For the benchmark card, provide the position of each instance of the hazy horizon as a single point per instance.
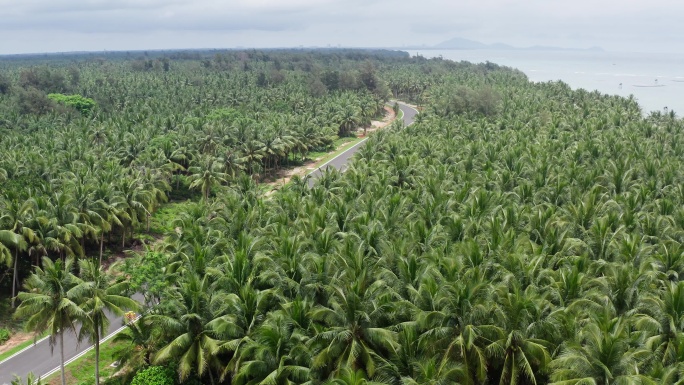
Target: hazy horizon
(31, 26)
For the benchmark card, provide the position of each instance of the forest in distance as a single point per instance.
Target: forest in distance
(517, 233)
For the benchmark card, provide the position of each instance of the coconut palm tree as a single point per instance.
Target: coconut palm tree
(134, 203)
(274, 354)
(348, 117)
(663, 316)
(603, 353)
(47, 305)
(16, 217)
(352, 338)
(98, 294)
(143, 341)
(525, 359)
(457, 327)
(206, 175)
(196, 328)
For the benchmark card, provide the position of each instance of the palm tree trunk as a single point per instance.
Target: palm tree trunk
(123, 238)
(101, 246)
(97, 356)
(61, 348)
(14, 276)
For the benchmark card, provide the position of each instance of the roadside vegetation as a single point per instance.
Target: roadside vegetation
(517, 233)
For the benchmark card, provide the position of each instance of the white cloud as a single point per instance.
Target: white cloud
(62, 25)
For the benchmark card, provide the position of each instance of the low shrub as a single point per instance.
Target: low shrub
(154, 375)
(82, 104)
(4, 335)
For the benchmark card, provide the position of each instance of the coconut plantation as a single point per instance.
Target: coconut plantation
(516, 232)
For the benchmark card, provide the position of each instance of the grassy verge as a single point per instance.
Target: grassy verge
(82, 371)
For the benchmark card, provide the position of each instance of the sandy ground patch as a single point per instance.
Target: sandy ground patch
(16, 339)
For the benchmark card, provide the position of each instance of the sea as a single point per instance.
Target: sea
(655, 79)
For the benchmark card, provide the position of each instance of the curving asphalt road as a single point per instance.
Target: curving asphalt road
(42, 360)
(340, 162)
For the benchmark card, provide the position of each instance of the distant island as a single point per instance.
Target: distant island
(460, 43)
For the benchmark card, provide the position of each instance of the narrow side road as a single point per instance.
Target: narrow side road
(340, 162)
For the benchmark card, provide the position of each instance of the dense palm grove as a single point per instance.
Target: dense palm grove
(72, 182)
(517, 233)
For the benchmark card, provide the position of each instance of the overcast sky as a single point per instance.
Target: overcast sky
(94, 25)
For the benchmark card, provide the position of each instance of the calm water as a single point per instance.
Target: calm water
(603, 71)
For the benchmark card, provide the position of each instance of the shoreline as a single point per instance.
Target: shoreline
(604, 73)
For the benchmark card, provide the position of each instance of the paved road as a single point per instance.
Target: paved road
(340, 161)
(40, 359)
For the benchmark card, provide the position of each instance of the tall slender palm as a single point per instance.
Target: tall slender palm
(206, 175)
(109, 207)
(16, 216)
(54, 223)
(135, 203)
(47, 305)
(98, 294)
(87, 218)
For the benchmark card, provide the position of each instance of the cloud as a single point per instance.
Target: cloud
(97, 16)
(33, 25)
